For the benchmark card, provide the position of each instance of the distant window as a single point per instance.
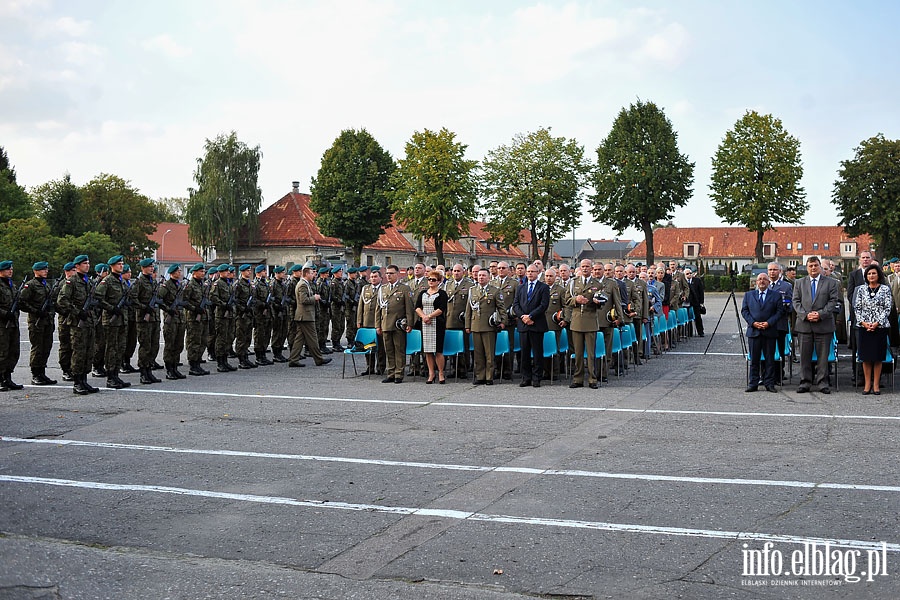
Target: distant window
(789, 246)
(388, 261)
(691, 250)
(826, 245)
(799, 245)
(769, 250)
(815, 245)
(370, 260)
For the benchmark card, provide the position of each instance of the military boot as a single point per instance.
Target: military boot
(224, 365)
(113, 381)
(262, 361)
(66, 376)
(80, 386)
(99, 371)
(278, 357)
(244, 362)
(197, 370)
(39, 377)
(127, 368)
(171, 372)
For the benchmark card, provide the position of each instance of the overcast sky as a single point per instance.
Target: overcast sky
(134, 89)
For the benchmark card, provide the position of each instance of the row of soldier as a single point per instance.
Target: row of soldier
(222, 310)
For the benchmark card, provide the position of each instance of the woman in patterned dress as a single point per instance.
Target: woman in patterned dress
(872, 303)
(431, 306)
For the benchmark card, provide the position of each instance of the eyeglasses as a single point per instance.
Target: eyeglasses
(432, 279)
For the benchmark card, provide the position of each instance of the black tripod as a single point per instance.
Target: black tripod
(732, 299)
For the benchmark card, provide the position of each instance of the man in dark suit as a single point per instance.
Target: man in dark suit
(532, 300)
(786, 292)
(762, 311)
(814, 300)
(696, 298)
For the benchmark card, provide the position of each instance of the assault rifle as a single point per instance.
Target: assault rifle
(13, 315)
(204, 303)
(48, 305)
(153, 304)
(89, 304)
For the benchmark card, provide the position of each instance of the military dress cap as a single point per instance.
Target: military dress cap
(278, 269)
(352, 270)
(147, 262)
(40, 265)
(296, 268)
(80, 259)
(259, 269)
(126, 268)
(244, 267)
(118, 258)
(173, 268)
(101, 267)
(68, 266)
(323, 270)
(363, 269)
(6, 264)
(337, 269)
(198, 267)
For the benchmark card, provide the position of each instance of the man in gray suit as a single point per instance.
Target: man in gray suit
(814, 300)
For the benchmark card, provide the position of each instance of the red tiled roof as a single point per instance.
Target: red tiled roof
(738, 242)
(291, 222)
(177, 248)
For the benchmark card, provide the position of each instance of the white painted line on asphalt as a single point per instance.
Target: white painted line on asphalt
(460, 515)
(452, 467)
(658, 411)
(704, 353)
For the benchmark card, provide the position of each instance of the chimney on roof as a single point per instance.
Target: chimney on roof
(296, 185)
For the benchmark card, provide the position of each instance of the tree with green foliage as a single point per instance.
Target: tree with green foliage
(227, 198)
(349, 192)
(535, 183)
(122, 212)
(25, 242)
(641, 177)
(756, 177)
(59, 203)
(435, 188)
(866, 193)
(98, 246)
(14, 200)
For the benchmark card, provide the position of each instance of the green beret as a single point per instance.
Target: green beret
(323, 270)
(375, 268)
(296, 268)
(147, 262)
(895, 259)
(173, 268)
(118, 258)
(363, 269)
(80, 259)
(244, 267)
(68, 266)
(198, 267)
(40, 266)
(6, 264)
(126, 268)
(229, 268)
(278, 269)
(101, 267)
(352, 270)
(259, 269)
(337, 269)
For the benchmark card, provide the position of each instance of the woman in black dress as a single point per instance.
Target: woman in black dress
(872, 303)
(431, 306)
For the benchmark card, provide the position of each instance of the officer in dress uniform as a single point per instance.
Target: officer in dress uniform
(641, 304)
(394, 305)
(557, 319)
(308, 302)
(280, 313)
(196, 302)
(485, 314)
(507, 284)
(366, 317)
(457, 288)
(63, 329)
(37, 299)
(112, 299)
(171, 296)
(608, 315)
(263, 298)
(296, 274)
(243, 317)
(584, 324)
(77, 302)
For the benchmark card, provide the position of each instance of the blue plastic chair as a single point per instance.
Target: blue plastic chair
(563, 348)
(453, 346)
(888, 360)
(550, 350)
(413, 343)
(617, 349)
(832, 360)
(762, 357)
(501, 348)
(365, 336)
(599, 355)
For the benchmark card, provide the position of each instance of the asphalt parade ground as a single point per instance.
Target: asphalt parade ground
(669, 482)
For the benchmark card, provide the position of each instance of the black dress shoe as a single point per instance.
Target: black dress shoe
(604, 380)
(478, 382)
(576, 385)
(525, 383)
(489, 382)
(771, 388)
(803, 389)
(594, 386)
(536, 384)
(296, 364)
(387, 380)
(398, 380)
(324, 362)
(825, 390)
(752, 388)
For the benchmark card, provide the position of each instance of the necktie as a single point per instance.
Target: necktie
(530, 289)
(762, 297)
(812, 284)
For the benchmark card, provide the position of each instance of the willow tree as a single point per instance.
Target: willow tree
(227, 198)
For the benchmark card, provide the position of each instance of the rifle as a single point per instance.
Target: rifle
(13, 315)
(229, 306)
(89, 303)
(153, 304)
(177, 303)
(47, 306)
(204, 303)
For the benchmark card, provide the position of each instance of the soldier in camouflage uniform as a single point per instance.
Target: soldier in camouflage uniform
(262, 315)
(338, 306)
(130, 326)
(171, 296)
(243, 318)
(101, 270)
(352, 288)
(222, 296)
(296, 273)
(145, 298)
(213, 276)
(280, 314)
(9, 327)
(76, 301)
(323, 310)
(37, 299)
(63, 329)
(196, 300)
(112, 298)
